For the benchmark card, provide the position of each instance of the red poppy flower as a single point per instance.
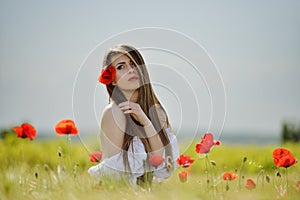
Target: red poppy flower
(107, 75)
(206, 143)
(184, 161)
(229, 176)
(95, 156)
(250, 185)
(25, 131)
(283, 158)
(183, 176)
(65, 127)
(156, 160)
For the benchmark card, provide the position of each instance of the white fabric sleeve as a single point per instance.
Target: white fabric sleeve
(113, 166)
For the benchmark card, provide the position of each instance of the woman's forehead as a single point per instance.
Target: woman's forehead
(118, 58)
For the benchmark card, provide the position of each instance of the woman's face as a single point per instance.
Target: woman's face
(127, 78)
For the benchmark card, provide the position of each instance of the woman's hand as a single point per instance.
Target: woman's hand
(136, 111)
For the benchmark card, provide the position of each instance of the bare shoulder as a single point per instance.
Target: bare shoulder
(112, 130)
(113, 117)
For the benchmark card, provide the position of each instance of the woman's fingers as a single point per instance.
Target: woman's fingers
(128, 112)
(125, 103)
(135, 110)
(126, 108)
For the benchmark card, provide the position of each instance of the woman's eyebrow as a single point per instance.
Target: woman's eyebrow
(121, 63)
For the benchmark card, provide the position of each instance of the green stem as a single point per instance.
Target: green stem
(206, 171)
(286, 178)
(240, 172)
(147, 175)
(263, 179)
(70, 149)
(23, 157)
(227, 185)
(273, 179)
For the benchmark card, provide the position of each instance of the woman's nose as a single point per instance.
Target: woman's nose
(130, 68)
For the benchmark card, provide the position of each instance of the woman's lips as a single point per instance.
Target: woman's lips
(134, 78)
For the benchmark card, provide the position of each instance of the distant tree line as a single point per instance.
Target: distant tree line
(5, 132)
(290, 132)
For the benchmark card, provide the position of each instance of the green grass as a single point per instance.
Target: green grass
(29, 170)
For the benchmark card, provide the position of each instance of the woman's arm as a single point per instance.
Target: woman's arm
(112, 130)
(152, 134)
(154, 139)
(136, 111)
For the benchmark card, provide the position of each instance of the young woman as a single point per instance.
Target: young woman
(134, 125)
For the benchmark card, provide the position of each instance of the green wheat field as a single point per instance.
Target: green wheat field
(57, 169)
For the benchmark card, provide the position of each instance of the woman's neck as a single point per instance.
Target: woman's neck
(131, 95)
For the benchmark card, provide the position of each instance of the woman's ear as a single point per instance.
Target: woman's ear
(114, 83)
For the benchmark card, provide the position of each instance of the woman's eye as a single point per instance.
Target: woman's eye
(120, 67)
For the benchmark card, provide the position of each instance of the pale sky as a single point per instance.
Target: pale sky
(255, 45)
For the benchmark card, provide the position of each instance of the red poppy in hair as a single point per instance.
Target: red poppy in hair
(107, 75)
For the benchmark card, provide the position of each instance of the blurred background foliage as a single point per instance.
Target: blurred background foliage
(290, 132)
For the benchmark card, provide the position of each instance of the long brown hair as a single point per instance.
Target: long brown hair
(147, 100)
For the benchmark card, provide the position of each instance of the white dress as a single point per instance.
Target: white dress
(114, 165)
